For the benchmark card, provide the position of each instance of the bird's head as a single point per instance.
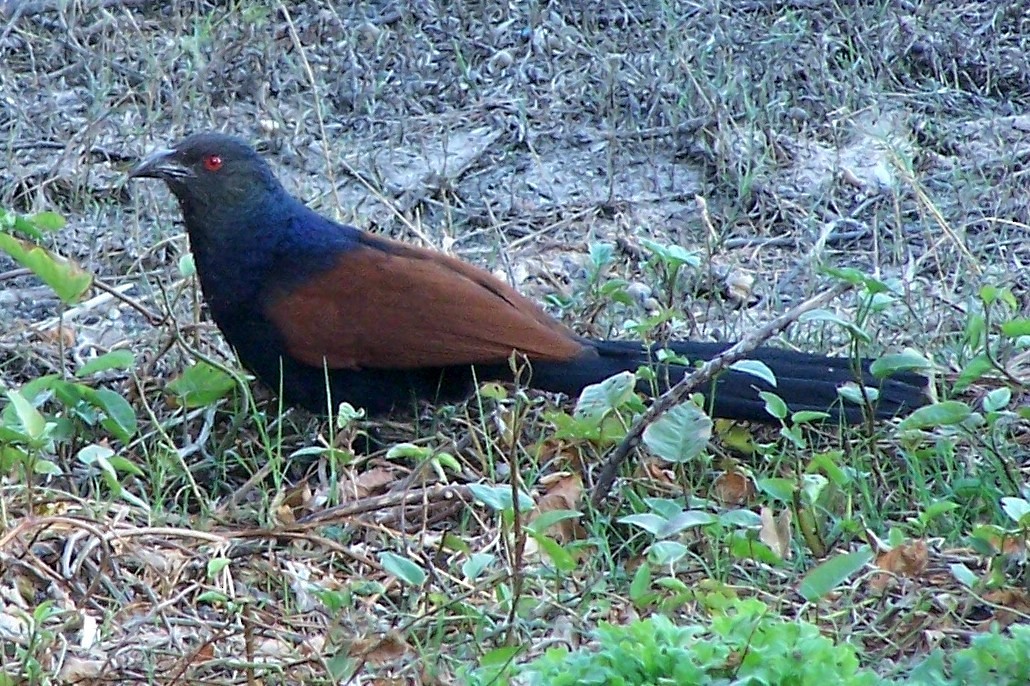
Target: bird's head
(210, 174)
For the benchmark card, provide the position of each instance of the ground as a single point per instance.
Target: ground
(772, 139)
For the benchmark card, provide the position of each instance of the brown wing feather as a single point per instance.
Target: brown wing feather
(391, 305)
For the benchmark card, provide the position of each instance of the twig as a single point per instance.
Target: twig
(380, 502)
(704, 374)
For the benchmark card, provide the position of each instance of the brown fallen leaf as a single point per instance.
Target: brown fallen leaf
(564, 491)
(908, 560)
(775, 532)
(733, 487)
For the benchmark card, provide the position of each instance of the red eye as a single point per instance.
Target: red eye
(212, 163)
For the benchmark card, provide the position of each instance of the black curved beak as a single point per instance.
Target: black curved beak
(160, 164)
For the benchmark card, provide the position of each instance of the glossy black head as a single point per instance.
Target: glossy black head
(210, 173)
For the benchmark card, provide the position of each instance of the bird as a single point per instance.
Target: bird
(324, 313)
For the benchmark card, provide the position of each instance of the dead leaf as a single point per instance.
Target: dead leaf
(1012, 605)
(564, 491)
(380, 651)
(655, 469)
(908, 560)
(733, 487)
(76, 669)
(366, 483)
(775, 532)
(65, 335)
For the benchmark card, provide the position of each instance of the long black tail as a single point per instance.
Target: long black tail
(804, 381)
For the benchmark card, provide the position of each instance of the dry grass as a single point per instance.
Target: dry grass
(886, 136)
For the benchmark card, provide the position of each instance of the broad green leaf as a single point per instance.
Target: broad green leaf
(774, 405)
(499, 657)
(402, 568)
(746, 547)
(641, 584)
(997, 399)
(597, 400)
(69, 281)
(1014, 328)
(651, 523)
(666, 552)
(947, 413)
(826, 576)
(48, 221)
(679, 435)
(964, 575)
(548, 519)
(777, 487)
(187, 267)
(215, 566)
(474, 566)
(562, 560)
(1017, 509)
(898, 362)
(757, 369)
(830, 317)
(116, 359)
(974, 370)
(121, 418)
(201, 385)
(33, 423)
(499, 497)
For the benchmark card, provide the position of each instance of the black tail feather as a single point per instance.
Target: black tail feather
(804, 381)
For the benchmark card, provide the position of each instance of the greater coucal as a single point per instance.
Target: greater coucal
(311, 305)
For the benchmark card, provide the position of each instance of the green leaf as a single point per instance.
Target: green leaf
(778, 488)
(32, 422)
(94, 453)
(1017, 509)
(666, 552)
(746, 547)
(774, 405)
(679, 435)
(974, 370)
(1014, 328)
(187, 267)
(650, 523)
(964, 575)
(997, 400)
(808, 416)
(563, 561)
(215, 566)
(402, 568)
(640, 587)
(548, 519)
(121, 418)
(947, 413)
(69, 281)
(116, 359)
(404, 451)
(826, 576)
(48, 221)
(597, 400)
(898, 362)
(499, 497)
(473, 567)
(757, 369)
(499, 657)
(212, 598)
(201, 385)
(830, 317)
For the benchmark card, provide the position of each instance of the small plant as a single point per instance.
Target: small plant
(744, 644)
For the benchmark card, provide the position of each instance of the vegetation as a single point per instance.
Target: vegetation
(163, 520)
